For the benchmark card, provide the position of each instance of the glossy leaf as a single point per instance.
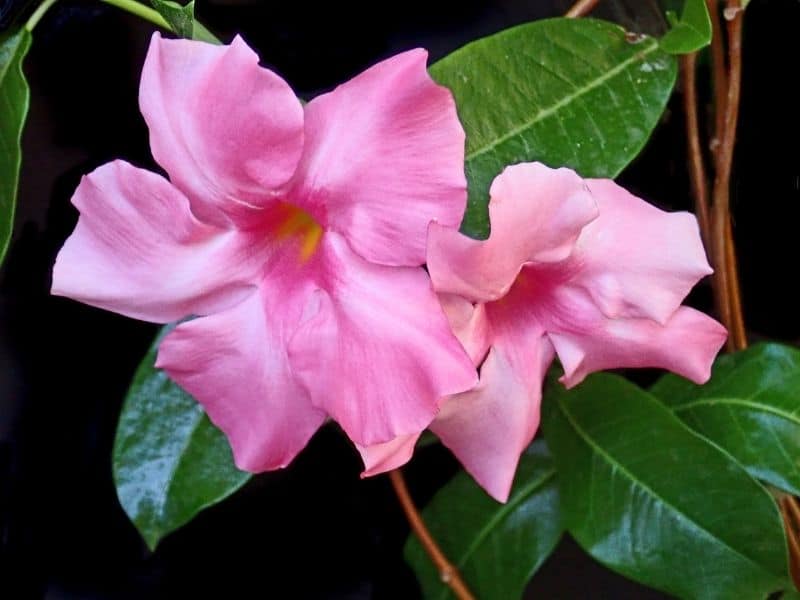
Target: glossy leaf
(690, 31)
(567, 92)
(496, 547)
(652, 500)
(169, 461)
(181, 19)
(750, 407)
(14, 99)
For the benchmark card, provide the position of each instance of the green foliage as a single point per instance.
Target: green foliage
(652, 500)
(691, 31)
(14, 98)
(566, 92)
(169, 461)
(496, 547)
(181, 19)
(750, 407)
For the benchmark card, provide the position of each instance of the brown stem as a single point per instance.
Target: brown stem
(722, 240)
(448, 573)
(738, 332)
(581, 8)
(697, 169)
(720, 74)
(726, 133)
(791, 523)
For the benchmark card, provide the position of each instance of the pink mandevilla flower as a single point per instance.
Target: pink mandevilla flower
(579, 269)
(296, 234)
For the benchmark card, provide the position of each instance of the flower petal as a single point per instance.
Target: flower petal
(536, 213)
(226, 130)
(235, 364)
(377, 353)
(384, 157)
(469, 324)
(636, 260)
(380, 458)
(138, 250)
(687, 344)
(489, 427)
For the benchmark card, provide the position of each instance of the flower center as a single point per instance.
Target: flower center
(297, 223)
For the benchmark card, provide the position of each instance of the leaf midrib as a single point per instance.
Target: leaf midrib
(19, 48)
(622, 469)
(789, 416)
(505, 510)
(201, 419)
(14, 55)
(544, 113)
(156, 531)
(167, 486)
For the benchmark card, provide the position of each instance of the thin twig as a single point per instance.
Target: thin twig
(722, 241)
(142, 11)
(697, 169)
(732, 264)
(38, 14)
(726, 133)
(448, 573)
(719, 72)
(722, 297)
(791, 523)
(581, 8)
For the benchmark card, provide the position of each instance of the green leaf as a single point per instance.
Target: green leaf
(14, 99)
(181, 19)
(496, 547)
(566, 92)
(750, 407)
(169, 461)
(428, 438)
(691, 31)
(652, 500)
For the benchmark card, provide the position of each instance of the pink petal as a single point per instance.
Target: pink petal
(384, 157)
(536, 216)
(138, 250)
(376, 352)
(636, 260)
(226, 130)
(489, 427)
(235, 364)
(380, 458)
(687, 344)
(469, 324)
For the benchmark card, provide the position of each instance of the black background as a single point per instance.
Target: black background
(314, 530)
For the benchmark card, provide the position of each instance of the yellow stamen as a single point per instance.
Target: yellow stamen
(310, 241)
(299, 223)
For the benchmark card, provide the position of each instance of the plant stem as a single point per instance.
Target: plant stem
(727, 112)
(697, 169)
(723, 248)
(141, 11)
(38, 14)
(791, 523)
(448, 573)
(719, 73)
(732, 264)
(581, 8)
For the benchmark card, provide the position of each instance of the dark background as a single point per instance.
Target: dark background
(314, 530)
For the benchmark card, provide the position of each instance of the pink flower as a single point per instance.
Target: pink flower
(296, 233)
(579, 269)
